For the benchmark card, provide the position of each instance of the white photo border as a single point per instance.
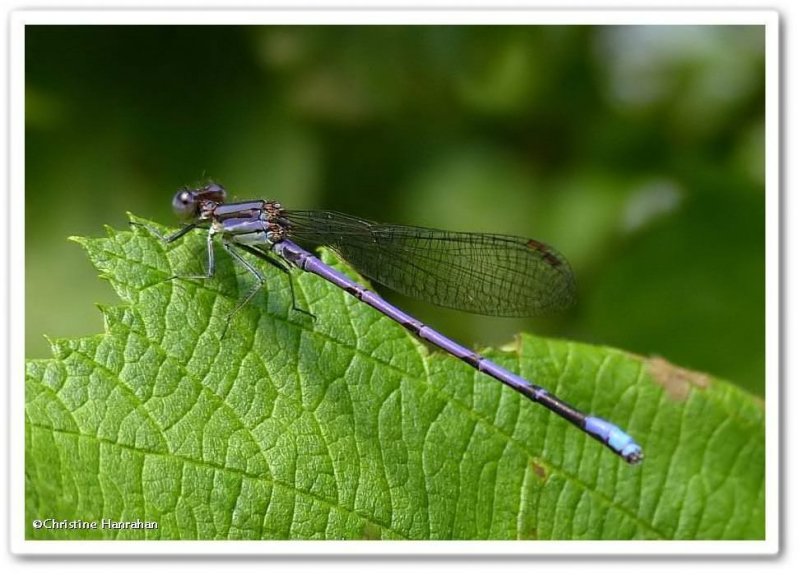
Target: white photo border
(20, 19)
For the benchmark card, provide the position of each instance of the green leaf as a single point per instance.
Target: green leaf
(345, 426)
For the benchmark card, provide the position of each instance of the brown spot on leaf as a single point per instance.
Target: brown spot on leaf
(371, 532)
(529, 535)
(539, 470)
(676, 380)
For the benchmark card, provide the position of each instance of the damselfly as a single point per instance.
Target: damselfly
(490, 274)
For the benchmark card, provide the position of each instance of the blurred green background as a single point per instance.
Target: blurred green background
(638, 151)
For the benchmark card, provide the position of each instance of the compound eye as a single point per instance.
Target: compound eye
(184, 204)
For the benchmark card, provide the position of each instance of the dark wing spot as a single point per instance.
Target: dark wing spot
(547, 254)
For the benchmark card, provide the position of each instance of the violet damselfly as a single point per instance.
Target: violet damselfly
(490, 274)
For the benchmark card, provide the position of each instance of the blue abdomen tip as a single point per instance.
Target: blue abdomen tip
(619, 441)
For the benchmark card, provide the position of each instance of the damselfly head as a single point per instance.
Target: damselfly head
(188, 203)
